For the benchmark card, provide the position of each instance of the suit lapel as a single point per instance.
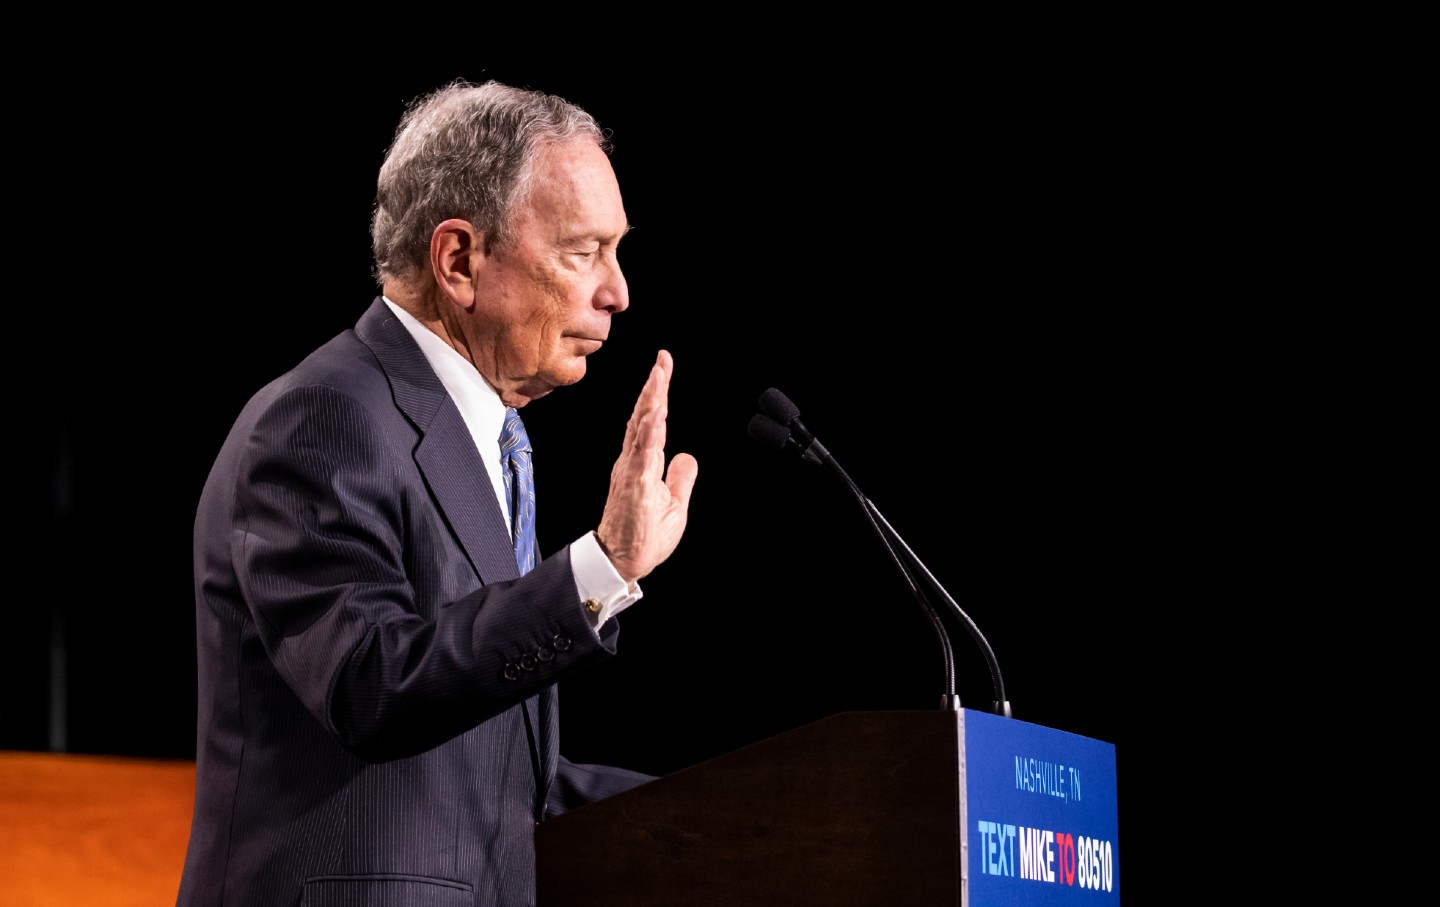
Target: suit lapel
(446, 454)
(447, 458)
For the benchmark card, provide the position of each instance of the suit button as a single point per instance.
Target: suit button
(512, 672)
(545, 654)
(528, 662)
(562, 643)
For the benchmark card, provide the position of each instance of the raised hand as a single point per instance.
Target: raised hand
(648, 505)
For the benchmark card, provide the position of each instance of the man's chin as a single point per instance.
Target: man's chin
(572, 371)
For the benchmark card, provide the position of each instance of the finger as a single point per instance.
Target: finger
(653, 396)
(654, 393)
(658, 383)
(648, 440)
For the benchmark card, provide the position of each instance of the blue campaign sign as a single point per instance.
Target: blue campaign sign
(1041, 819)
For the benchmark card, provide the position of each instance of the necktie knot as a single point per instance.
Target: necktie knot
(512, 435)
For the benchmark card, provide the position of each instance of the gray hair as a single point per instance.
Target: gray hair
(467, 151)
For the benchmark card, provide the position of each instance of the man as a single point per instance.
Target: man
(377, 718)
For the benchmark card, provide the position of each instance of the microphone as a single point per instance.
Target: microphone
(773, 434)
(778, 407)
(779, 426)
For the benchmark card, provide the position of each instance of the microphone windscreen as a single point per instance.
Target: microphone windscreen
(778, 407)
(768, 431)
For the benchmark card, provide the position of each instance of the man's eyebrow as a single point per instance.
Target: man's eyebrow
(599, 236)
(623, 233)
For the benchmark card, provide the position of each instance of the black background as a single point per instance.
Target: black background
(982, 288)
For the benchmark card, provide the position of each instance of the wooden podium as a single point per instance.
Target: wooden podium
(868, 809)
(860, 808)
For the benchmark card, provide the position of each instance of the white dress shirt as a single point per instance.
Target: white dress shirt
(480, 406)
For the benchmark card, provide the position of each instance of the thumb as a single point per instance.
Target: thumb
(680, 477)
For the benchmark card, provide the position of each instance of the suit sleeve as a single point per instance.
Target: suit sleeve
(364, 600)
(578, 783)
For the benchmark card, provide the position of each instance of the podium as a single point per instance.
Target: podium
(870, 809)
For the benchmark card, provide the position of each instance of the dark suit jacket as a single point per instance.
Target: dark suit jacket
(377, 709)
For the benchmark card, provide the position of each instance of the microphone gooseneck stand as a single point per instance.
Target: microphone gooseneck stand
(1000, 705)
(950, 701)
(780, 426)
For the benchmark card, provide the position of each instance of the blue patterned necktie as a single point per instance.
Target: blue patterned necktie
(519, 488)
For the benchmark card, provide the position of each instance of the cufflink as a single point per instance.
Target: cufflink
(592, 605)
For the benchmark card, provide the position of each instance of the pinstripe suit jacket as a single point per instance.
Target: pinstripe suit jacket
(377, 709)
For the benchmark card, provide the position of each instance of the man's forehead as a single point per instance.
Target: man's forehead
(574, 194)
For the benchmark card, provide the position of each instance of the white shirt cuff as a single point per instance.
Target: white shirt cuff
(603, 592)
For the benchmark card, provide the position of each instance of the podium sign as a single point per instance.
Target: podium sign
(1040, 815)
(861, 809)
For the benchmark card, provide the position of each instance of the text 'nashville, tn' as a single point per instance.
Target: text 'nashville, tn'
(1037, 776)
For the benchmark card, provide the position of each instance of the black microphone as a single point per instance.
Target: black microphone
(778, 407)
(780, 427)
(772, 434)
(776, 435)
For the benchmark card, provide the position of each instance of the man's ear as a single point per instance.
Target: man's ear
(457, 252)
